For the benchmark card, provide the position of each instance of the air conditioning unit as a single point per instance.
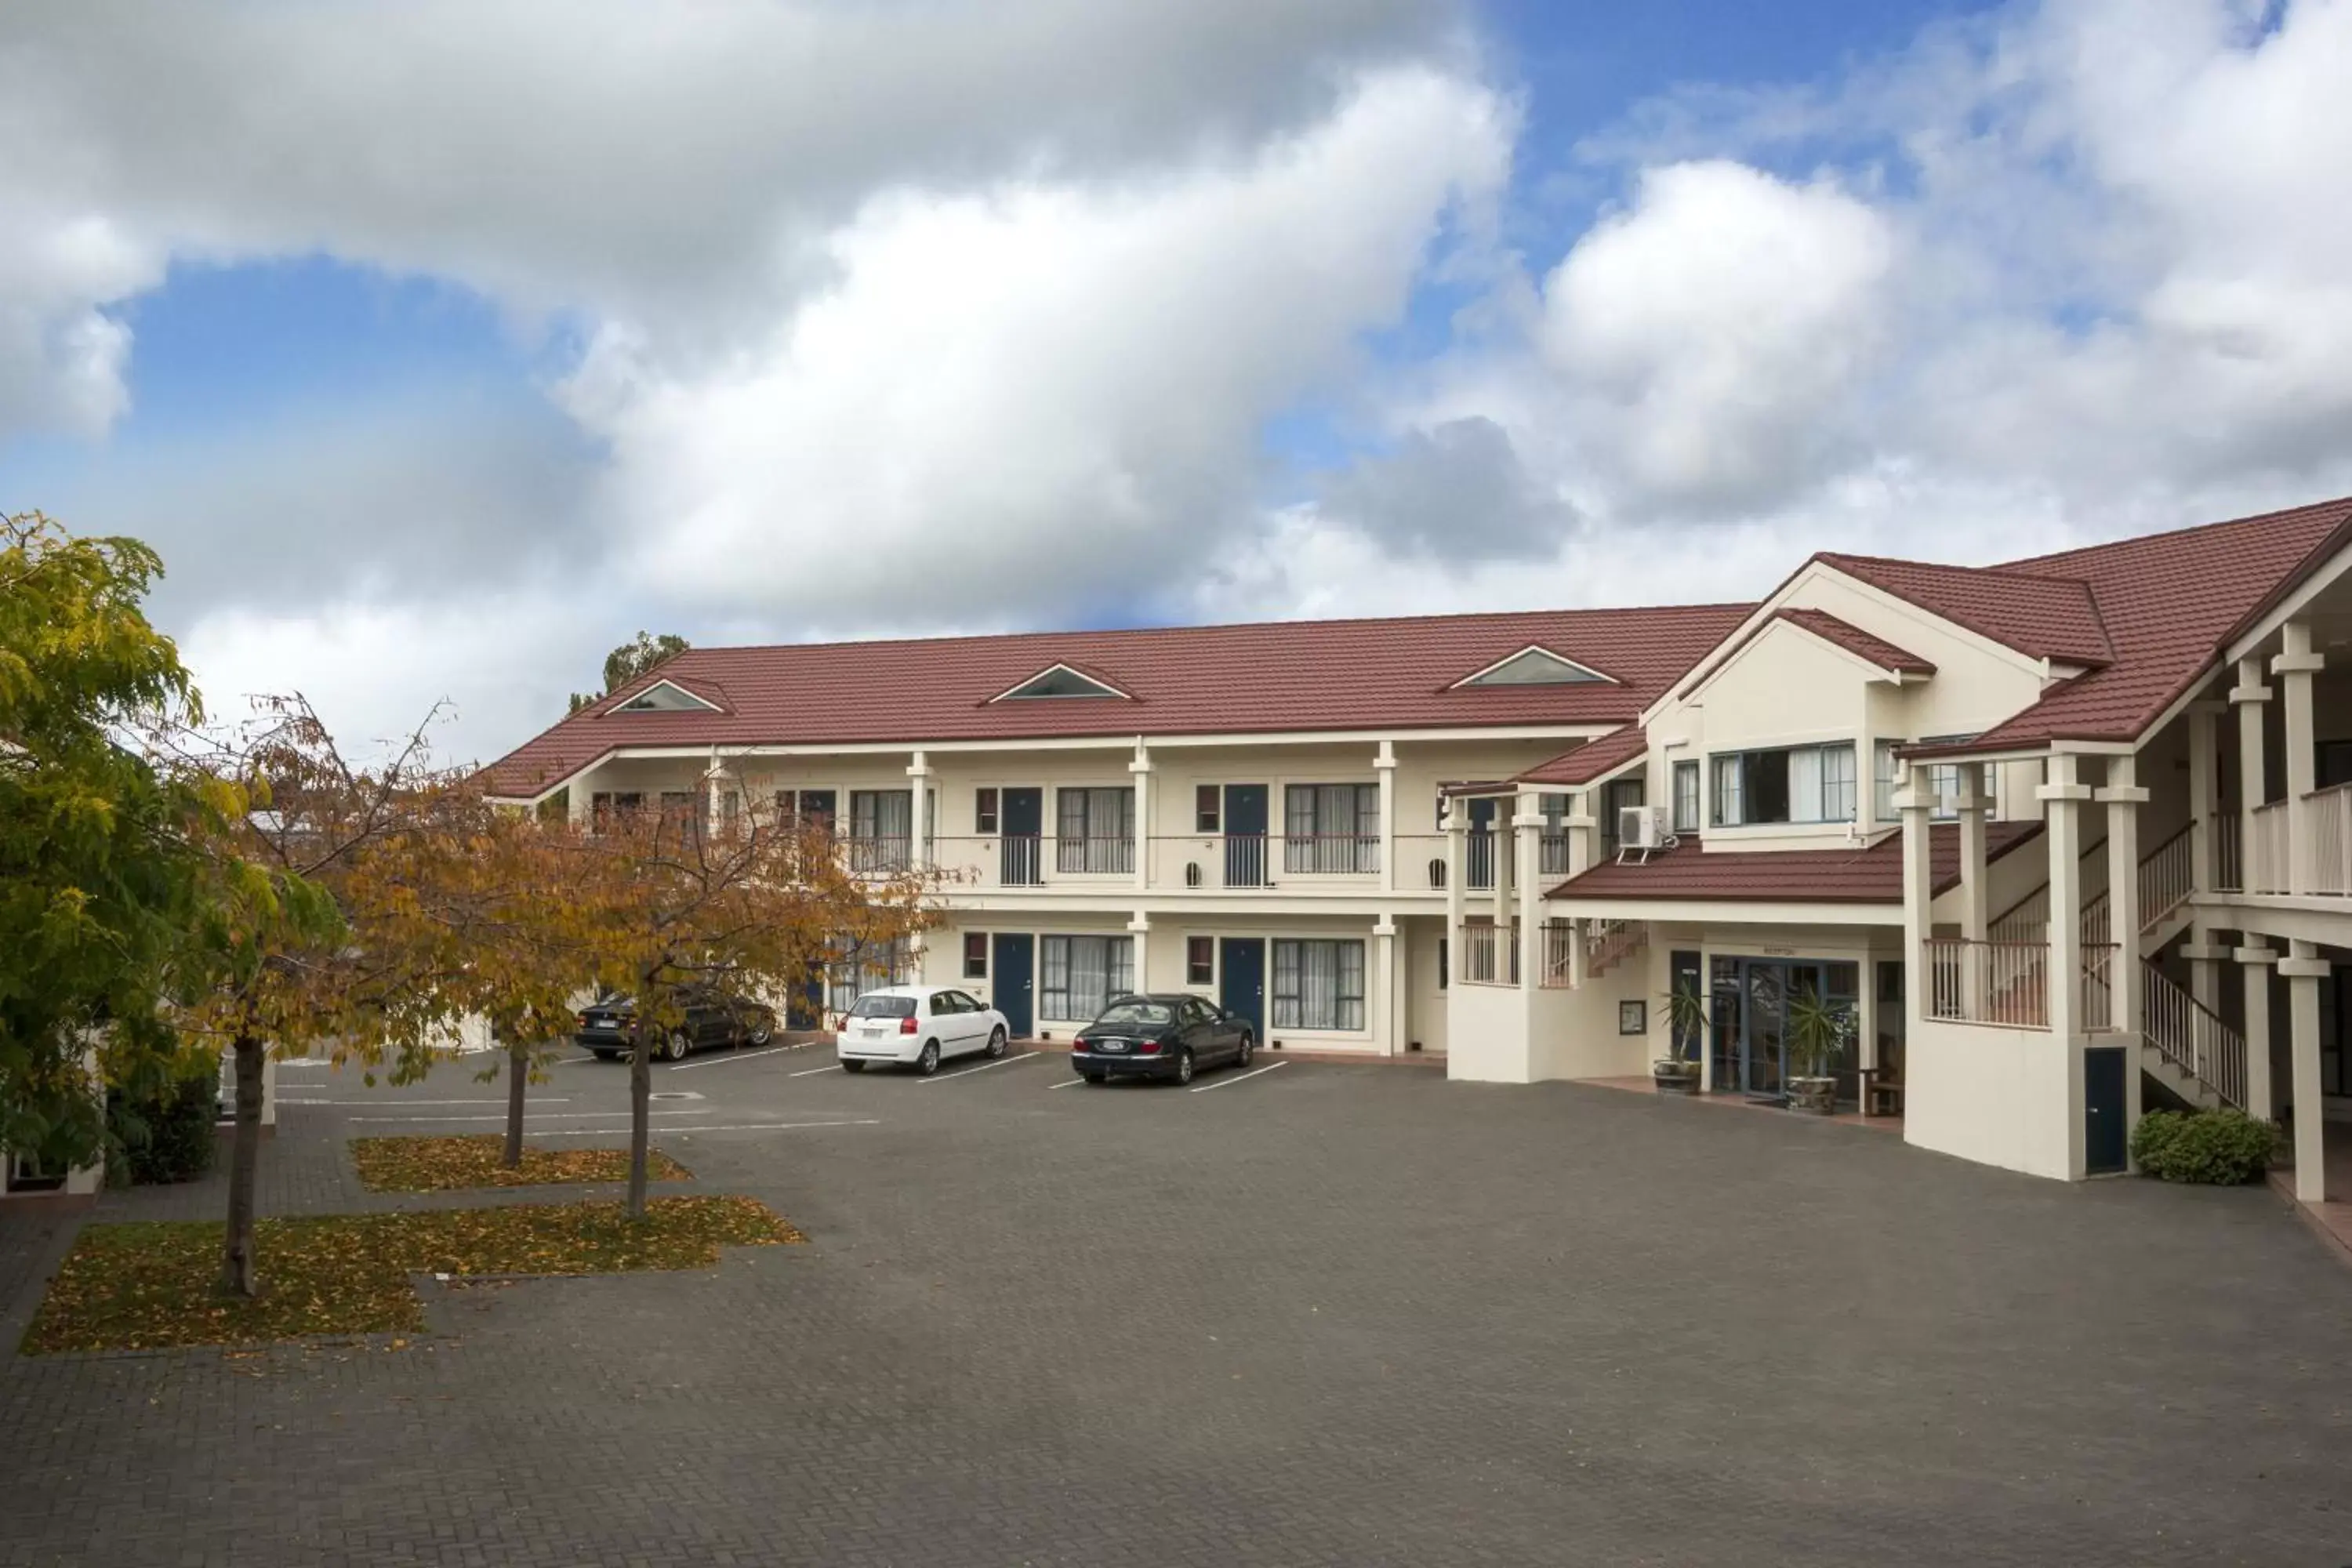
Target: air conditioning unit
(1642, 831)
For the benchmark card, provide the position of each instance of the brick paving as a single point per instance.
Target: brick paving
(1332, 1315)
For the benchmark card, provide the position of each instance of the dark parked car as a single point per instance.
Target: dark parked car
(1160, 1036)
(713, 1018)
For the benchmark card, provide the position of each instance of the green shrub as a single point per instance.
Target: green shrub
(2217, 1148)
(163, 1135)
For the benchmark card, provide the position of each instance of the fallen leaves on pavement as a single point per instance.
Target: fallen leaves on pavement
(445, 1164)
(152, 1284)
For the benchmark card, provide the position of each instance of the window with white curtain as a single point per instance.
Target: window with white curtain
(1079, 975)
(1318, 984)
(1685, 797)
(1095, 831)
(1331, 828)
(1786, 784)
(881, 828)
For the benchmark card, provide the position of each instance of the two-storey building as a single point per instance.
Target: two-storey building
(2067, 836)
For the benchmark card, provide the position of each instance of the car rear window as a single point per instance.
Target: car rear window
(884, 1008)
(1136, 1012)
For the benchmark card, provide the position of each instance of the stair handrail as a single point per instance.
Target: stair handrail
(2193, 1037)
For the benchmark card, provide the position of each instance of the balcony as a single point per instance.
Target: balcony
(2286, 857)
(2007, 984)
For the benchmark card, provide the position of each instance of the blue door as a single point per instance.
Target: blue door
(1012, 989)
(1245, 836)
(1240, 984)
(2103, 1135)
(1025, 823)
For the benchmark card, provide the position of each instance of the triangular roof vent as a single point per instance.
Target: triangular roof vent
(1059, 681)
(665, 696)
(1533, 665)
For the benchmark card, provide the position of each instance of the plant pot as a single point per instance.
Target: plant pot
(1674, 1077)
(1813, 1095)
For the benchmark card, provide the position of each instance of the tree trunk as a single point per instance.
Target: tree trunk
(245, 1164)
(518, 1072)
(641, 1087)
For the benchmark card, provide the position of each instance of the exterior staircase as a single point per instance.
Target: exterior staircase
(1608, 944)
(2185, 1047)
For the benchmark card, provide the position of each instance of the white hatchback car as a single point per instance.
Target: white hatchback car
(918, 1027)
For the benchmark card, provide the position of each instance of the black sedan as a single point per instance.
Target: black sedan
(713, 1018)
(1167, 1036)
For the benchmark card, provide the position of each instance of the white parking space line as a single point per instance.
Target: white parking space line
(1066, 1083)
(1223, 1082)
(812, 1072)
(737, 1056)
(551, 1116)
(728, 1127)
(998, 1062)
(381, 1103)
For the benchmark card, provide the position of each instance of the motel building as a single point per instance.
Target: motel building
(2068, 837)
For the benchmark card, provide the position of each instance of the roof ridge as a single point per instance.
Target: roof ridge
(2305, 509)
(2002, 568)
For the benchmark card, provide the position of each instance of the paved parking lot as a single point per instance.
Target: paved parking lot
(1325, 1315)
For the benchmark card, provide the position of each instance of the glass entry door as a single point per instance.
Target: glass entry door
(1751, 998)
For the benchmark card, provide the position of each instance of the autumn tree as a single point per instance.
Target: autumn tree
(755, 905)
(630, 660)
(97, 869)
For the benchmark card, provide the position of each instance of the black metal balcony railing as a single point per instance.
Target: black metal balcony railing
(1091, 855)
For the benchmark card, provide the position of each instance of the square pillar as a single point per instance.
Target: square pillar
(2255, 960)
(1916, 804)
(1528, 828)
(918, 783)
(2202, 950)
(2248, 697)
(580, 801)
(1387, 1006)
(1972, 806)
(1140, 771)
(1139, 930)
(2126, 985)
(2294, 667)
(2061, 803)
(2305, 969)
(1502, 851)
(1384, 768)
(1457, 897)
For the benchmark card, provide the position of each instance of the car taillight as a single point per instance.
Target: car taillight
(1148, 1047)
(907, 1025)
(583, 1020)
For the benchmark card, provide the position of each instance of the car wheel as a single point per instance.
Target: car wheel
(762, 1032)
(608, 1056)
(1096, 1078)
(1184, 1065)
(996, 1041)
(675, 1048)
(1249, 1049)
(853, 1067)
(928, 1062)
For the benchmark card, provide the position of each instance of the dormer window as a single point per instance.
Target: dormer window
(1059, 681)
(1534, 666)
(664, 696)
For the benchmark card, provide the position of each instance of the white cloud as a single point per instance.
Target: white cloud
(62, 357)
(1059, 387)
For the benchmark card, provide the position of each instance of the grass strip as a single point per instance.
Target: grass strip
(150, 1285)
(448, 1164)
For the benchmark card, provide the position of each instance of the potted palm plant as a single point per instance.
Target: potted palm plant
(1676, 1072)
(1817, 1031)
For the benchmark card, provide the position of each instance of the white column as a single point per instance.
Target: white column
(1975, 916)
(1582, 829)
(2204, 851)
(1503, 854)
(2123, 797)
(2255, 959)
(1528, 828)
(2249, 695)
(578, 799)
(1138, 926)
(2305, 969)
(2294, 667)
(1388, 1022)
(1384, 767)
(1915, 803)
(919, 779)
(1457, 899)
(711, 780)
(1140, 768)
(2062, 799)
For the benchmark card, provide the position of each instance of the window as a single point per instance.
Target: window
(1081, 974)
(881, 824)
(1943, 780)
(857, 968)
(1686, 797)
(1097, 832)
(1551, 849)
(976, 955)
(1535, 667)
(685, 810)
(1331, 828)
(1318, 984)
(1058, 680)
(1206, 804)
(1442, 965)
(603, 804)
(1200, 960)
(983, 811)
(1795, 783)
(883, 1007)
(665, 696)
(730, 809)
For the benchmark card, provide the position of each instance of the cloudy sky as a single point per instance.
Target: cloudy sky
(439, 347)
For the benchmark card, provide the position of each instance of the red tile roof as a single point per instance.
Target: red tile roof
(1262, 678)
(1846, 875)
(1590, 760)
(2170, 603)
(1877, 650)
(2042, 613)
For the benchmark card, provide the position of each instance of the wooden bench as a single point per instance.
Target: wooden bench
(1881, 1095)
